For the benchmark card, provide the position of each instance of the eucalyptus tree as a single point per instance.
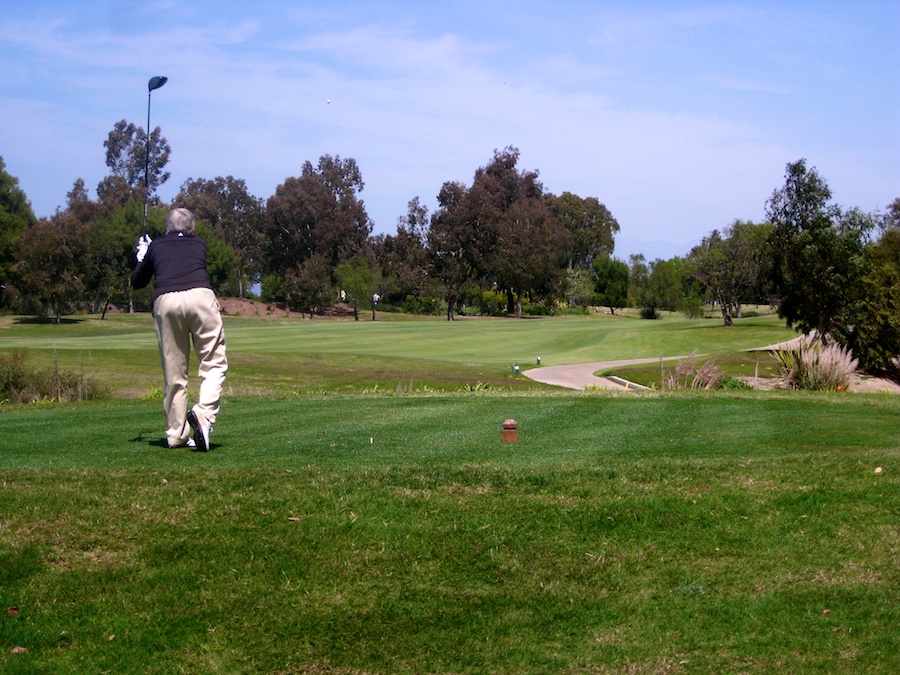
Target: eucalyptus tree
(126, 156)
(403, 258)
(234, 215)
(590, 226)
(15, 216)
(816, 250)
(316, 213)
(611, 282)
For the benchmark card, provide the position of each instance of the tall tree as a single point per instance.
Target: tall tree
(611, 282)
(109, 242)
(520, 242)
(590, 225)
(403, 258)
(891, 220)
(127, 159)
(450, 243)
(308, 287)
(658, 285)
(816, 251)
(531, 248)
(15, 216)
(872, 326)
(317, 213)
(359, 284)
(48, 256)
(234, 215)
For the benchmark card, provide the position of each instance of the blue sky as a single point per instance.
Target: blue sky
(679, 116)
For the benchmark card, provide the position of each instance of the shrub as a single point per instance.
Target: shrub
(693, 307)
(21, 384)
(734, 383)
(492, 304)
(811, 363)
(650, 313)
(537, 310)
(272, 288)
(414, 304)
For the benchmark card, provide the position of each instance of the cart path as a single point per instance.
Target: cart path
(581, 375)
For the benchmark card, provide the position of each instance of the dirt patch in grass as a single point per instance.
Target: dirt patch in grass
(245, 307)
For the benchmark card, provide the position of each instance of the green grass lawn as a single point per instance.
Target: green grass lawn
(290, 357)
(348, 532)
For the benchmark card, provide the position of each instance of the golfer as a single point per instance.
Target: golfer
(185, 311)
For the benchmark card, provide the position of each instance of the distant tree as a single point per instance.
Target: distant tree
(749, 247)
(714, 265)
(403, 258)
(47, 270)
(317, 213)
(732, 268)
(611, 282)
(451, 238)
(590, 225)
(110, 238)
(359, 282)
(668, 282)
(659, 285)
(816, 251)
(891, 220)
(15, 216)
(639, 291)
(872, 325)
(530, 256)
(580, 288)
(126, 157)
(235, 216)
(308, 287)
(520, 243)
(221, 261)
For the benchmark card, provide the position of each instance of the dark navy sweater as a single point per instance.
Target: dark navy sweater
(176, 261)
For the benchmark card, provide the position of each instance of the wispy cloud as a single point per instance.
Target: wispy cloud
(679, 120)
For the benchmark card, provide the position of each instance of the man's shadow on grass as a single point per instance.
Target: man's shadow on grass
(163, 443)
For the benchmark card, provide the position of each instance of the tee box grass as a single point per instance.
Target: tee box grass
(395, 532)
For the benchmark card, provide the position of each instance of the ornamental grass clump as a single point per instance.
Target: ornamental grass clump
(688, 376)
(811, 363)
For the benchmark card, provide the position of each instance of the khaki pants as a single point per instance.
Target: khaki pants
(183, 317)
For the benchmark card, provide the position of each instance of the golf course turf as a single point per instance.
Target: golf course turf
(357, 524)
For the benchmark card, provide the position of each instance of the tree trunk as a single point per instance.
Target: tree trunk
(726, 314)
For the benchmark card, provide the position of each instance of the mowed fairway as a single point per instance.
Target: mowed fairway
(295, 357)
(393, 531)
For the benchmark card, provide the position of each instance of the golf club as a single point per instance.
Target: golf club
(154, 83)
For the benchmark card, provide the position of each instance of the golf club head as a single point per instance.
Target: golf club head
(156, 82)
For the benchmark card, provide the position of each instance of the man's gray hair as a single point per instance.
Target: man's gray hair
(180, 220)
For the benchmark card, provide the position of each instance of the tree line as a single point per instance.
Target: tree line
(500, 245)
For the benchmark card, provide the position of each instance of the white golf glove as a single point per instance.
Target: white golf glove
(141, 249)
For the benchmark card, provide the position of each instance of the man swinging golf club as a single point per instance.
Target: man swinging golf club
(185, 311)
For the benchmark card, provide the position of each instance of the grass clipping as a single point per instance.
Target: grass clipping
(813, 363)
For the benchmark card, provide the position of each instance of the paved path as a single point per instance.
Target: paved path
(581, 375)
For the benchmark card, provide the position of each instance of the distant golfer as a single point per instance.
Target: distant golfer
(185, 310)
